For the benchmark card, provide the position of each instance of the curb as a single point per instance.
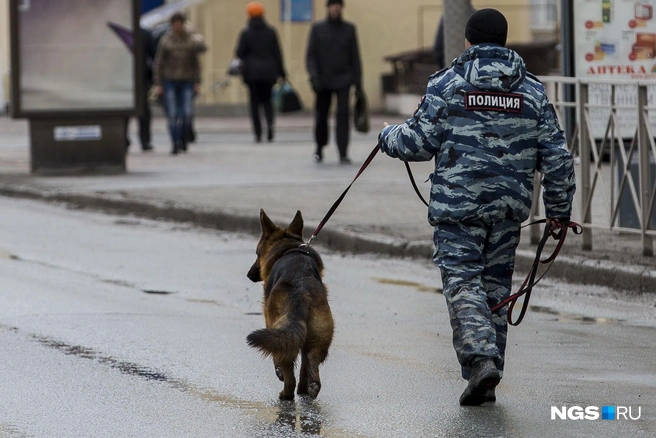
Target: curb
(631, 279)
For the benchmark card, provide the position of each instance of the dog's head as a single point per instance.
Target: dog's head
(272, 234)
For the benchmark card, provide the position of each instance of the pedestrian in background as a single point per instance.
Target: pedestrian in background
(157, 33)
(490, 127)
(261, 65)
(149, 49)
(176, 74)
(438, 47)
(333, 63)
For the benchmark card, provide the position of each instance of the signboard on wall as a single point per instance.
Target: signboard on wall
(68, 57)
(615, 40)
(299, 10)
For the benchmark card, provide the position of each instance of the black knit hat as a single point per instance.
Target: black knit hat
(487, 26)
(334, 2)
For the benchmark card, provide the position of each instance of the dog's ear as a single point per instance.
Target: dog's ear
(268, 227)
(296, 227)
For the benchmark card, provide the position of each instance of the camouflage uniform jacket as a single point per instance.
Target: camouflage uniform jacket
(489, 126)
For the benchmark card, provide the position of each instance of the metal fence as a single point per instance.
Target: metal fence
(615, 170)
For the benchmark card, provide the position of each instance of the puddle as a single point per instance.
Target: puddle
(574, 316)
(302, 415)
(420, 287)
(267, 413)
(157, 292)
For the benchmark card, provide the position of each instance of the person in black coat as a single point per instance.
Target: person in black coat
(149, 48)
(333, 63)
(261, 64)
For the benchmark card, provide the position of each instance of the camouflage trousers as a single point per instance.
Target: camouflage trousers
(477, 260)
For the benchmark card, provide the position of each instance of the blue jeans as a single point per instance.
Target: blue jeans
(178, 96)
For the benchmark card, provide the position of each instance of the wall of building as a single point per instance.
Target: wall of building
(384, 27)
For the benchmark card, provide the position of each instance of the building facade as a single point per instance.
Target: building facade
(385, 27)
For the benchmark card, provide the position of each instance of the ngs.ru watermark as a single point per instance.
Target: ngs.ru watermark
(596, 413)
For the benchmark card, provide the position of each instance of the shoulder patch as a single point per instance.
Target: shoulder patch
(491, 101)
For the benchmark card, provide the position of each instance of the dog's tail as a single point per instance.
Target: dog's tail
(282, 340)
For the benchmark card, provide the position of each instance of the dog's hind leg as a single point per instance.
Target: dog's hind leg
(303, 377)
(290, 381)
(314, 358)
(278, 370)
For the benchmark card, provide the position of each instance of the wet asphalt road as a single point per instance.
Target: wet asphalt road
(120, 327)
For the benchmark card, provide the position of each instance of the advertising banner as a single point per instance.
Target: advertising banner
(70, 57)
(615, 40)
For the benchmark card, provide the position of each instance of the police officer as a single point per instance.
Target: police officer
(490, 126)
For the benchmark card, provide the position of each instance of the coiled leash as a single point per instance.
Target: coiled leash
(530, 281)
(527, 286)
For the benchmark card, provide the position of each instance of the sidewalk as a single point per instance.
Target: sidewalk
(225, 179)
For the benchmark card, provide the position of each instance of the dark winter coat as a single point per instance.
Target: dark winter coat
(333, 56)
(260, 54)
(149, 49)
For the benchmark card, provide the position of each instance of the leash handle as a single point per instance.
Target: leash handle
(343, 195)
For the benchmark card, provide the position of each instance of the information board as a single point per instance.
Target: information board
(615, 39)
(69, 57)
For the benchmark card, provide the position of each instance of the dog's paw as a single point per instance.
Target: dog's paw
(285, 396)
(281, 377)
(313, 389)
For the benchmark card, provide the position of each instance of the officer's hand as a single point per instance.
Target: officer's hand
(380, 138)
(555, 224)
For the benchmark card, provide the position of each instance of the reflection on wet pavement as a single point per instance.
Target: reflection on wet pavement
(301, 416)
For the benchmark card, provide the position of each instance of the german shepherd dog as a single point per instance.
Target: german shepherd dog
(296, 310)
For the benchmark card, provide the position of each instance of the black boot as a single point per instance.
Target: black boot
(270, 135)
(484, 376)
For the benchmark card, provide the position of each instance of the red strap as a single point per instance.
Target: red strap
(530, 281)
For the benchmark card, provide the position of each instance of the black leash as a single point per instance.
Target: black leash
(414, 184)
(341, 197)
